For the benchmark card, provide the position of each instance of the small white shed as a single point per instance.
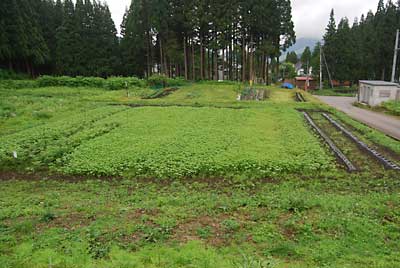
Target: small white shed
(374, 93)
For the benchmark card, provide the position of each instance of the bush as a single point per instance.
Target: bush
(66, 81)
(113, 83)
(18, 84)
(392, 106)
(159, 81)
(11, 75)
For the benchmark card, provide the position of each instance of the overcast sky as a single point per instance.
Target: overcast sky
(310, 16)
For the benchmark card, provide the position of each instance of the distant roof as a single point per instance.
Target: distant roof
(378, 83)
(304, 78)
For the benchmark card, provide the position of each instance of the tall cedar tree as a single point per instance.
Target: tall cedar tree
(364, 50)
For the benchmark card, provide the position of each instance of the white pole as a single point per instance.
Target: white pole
(396, 49)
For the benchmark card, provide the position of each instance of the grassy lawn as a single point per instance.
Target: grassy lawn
(195, 179)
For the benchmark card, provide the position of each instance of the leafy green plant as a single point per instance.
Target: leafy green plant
(231, 225)
(48, 217)
(204, 232)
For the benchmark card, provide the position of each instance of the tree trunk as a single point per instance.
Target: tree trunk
(193, 62)
(162, 71)
(28, 68)
(223, 64)
(251, 71)
(277, 68)
(243, 60)
(201, 59)
(185, 58)
(263, 67)
(267, 71)
(216, 65)
(148, 54)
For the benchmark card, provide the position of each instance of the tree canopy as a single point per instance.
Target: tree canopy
(363, 50)
(47, 37)
(234, 40)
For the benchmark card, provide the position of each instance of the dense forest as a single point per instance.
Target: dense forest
(363, 50)
(157, 36)
(226, 41)
(46, 37)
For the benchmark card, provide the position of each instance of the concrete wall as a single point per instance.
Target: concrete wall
(375, 95)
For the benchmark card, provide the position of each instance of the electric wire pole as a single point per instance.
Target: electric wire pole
(396, 49)
(320, 67)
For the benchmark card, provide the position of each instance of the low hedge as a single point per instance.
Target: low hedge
(112, 83)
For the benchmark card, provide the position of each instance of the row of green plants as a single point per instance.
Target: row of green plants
(111, 83)
(46, 145)
(168, 142)
(188, 142)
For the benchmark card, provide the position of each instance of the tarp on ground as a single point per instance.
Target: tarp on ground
(287, 85)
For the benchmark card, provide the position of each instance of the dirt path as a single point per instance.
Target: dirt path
(389, 125)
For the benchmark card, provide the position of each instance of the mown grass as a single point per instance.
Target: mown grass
(204, 182)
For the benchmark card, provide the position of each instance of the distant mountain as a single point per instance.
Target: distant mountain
(300, 45)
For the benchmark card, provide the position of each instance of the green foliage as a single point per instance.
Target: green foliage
(287, 204)
(112, 83)
(116, 83)
(292, 57)
(18, 84)
(363, 50)
(231, 225)
(288, 70)
(392, 106)
(10, 75)
(160, 93)
(162, 81)
(306, 59)
(127, 223)
(47, 217)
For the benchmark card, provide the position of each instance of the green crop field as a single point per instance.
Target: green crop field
(96, 178)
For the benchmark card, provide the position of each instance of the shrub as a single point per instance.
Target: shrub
(159, 81)
(18, 84)
(66, 81)
(115, 83)
(11, 75)
(392, 106)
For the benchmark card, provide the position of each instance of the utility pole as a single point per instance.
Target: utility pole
(396, 49)
(327, 68)
(320, 67)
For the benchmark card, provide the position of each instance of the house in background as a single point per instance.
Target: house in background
(306, 83)
(374, 93)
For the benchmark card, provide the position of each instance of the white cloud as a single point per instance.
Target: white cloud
(117, 8)
(310, 16)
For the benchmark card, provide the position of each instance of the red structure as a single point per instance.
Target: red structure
(306, 83)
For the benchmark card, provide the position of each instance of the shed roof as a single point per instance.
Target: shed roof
(304, 78)
(379, 83)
